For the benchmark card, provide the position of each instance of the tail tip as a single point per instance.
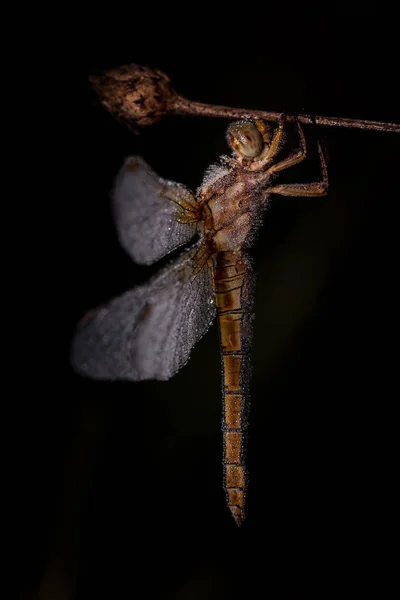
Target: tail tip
(238, 514)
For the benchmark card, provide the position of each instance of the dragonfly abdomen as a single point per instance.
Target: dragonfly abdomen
(231, 286)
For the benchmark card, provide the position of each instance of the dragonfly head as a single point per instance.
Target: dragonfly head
(245, 139)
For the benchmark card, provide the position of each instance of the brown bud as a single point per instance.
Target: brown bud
(134, 94)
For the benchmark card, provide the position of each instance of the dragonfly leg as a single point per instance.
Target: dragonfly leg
(265, 129)
(299, 156)
(276, 140)
(270, 150)
(317, 188)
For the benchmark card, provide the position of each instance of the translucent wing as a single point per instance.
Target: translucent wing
(146, 209)
(148, 332)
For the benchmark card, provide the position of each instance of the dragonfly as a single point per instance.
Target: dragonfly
(149, 331)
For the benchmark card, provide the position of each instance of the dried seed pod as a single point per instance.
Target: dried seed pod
(135, 94)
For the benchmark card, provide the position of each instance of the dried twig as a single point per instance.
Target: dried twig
(141, 96)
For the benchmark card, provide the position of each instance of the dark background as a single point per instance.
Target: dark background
(123, 483)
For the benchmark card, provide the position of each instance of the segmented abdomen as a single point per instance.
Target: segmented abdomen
(233, 285)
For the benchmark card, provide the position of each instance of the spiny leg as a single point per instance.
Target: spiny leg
(268, 155)
(276, 140)
(300, 155)
(265, 129)
(317, 188)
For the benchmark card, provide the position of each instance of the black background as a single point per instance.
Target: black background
(124, 482)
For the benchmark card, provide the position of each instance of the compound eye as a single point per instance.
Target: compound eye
(245, 138)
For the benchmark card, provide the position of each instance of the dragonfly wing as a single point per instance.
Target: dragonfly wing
(146, 210)
(148, 332)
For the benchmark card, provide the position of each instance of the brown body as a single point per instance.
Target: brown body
(232, 208)
(232, 202)
(231, 282)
